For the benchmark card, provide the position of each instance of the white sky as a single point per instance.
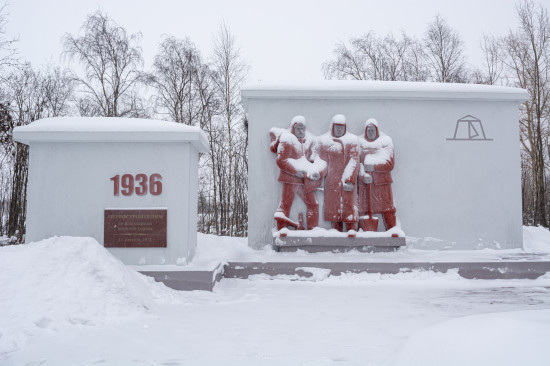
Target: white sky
(282, 40)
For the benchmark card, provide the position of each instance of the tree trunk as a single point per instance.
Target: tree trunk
(18, 200)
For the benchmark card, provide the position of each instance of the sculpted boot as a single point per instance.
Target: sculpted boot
(389, 218)
(312, 219)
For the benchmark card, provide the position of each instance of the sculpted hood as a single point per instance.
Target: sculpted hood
(338, 119)
(372, 122)
(295, 120)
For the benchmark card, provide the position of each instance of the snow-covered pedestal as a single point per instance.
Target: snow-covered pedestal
(129, 183)
(456, 180)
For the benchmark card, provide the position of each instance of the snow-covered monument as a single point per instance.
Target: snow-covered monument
(336, 165)
(455, 178)
(129, 183)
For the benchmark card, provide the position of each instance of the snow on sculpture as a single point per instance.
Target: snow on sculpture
(338, 148)
(297, 174)
(354, 175)
(375, 194)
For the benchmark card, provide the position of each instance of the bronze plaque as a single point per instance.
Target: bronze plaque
(141, 228)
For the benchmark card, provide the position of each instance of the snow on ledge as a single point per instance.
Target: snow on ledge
(109, 129)
(319, 232)
(363, 89)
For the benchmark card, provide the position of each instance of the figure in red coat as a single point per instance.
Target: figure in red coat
(376, 156)
(338, 148)
(298, 175)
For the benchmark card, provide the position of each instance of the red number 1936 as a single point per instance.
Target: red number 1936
(140, 184)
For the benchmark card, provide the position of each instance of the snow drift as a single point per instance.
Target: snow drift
(64, 281)
(536, 239)
(509, 338)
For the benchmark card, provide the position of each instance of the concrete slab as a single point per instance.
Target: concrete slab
(185, 280)
(470, 270)
(336, 244)
(205, 279)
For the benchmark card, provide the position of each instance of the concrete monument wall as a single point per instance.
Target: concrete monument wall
(457, 162)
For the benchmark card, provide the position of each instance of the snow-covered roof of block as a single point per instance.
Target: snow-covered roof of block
(109, 129)
(363, 89)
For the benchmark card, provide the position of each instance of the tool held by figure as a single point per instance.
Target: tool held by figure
(370, 223)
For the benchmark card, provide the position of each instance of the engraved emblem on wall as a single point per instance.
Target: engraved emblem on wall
(469, 128)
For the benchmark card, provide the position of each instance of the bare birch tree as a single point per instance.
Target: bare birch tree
(209, 189)
(187, 92)
(175, 68)
(362, 61)
(112, 64)
(33, 95)
(493, 65)
(373, 58)
(8, 55)
(230, 71)
(415, 67)
(527, 59)
(444, 51)
(6, 123)
(8, 52)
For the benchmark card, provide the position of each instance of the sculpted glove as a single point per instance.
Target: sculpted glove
(315, 176)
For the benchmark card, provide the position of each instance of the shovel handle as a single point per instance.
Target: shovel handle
(369, 204)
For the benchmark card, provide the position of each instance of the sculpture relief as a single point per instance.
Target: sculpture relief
(375, 194)
(297, 174)
(352, 172)
(338, 148)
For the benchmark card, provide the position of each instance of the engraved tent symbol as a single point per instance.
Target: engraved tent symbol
(469, 128)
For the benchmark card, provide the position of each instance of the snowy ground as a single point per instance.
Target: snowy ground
(67, 301)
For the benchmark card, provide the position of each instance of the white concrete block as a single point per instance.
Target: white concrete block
(449, 194)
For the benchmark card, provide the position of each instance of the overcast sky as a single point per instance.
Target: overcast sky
(282, 40)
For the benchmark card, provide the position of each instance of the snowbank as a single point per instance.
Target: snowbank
(536, 239)
(64, 281)
(53, 292)
(213, 249)
(511, 338)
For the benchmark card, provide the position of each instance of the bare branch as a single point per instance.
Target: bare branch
(444, 51)
(112, 62)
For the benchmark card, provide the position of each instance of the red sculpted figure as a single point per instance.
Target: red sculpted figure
(298, 175)
(375, 171)
(338, 148)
